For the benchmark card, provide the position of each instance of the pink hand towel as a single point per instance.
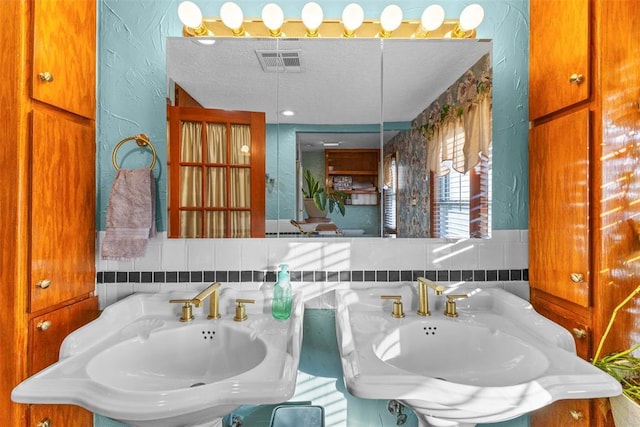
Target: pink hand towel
(130, 215)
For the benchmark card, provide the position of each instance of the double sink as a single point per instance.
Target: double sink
(496, 359)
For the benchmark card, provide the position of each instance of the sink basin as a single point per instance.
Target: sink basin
(138, 364)
(488, 357)
(497, 360)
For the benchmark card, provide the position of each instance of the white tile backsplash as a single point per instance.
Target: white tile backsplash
(200, 254)
(507, 249)
(173, 254)
(228, 254)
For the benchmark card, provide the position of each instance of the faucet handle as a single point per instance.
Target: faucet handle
(397, 311)
(451, 309)
(241, 312)
(187, 309)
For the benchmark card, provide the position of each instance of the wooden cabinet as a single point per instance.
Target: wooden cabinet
(559, 190)
(47, 331)
(583, 154)
(62, 208)
(355, 172)
(565, 413)
(559, 70)
(63, 39)
(59, 415)
(47, 224)
(574, 318)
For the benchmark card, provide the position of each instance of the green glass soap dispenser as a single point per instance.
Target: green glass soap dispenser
(281, 303)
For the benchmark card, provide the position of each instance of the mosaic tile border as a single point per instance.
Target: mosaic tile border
(312, 276)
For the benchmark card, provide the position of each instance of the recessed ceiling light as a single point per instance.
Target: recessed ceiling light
(331, 144)
(287, 113)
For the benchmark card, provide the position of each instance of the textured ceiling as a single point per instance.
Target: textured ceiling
(339, 81)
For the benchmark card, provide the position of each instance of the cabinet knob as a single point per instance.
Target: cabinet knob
(576, 78)
(43, 284)
(44, 423)
(46, 77)
(43, 325)
(576, 415)
(579, 333)
(577, 277)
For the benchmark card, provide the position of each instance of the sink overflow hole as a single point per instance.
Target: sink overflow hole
(429, 330)
(196, 385)
(208, 335)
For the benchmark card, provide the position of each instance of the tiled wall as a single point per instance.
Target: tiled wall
(318, 265)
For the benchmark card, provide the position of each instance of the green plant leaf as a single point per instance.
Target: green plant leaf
(320, 197)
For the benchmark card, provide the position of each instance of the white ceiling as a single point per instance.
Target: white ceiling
(341, 80)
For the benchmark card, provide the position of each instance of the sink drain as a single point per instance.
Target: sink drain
(196, 385)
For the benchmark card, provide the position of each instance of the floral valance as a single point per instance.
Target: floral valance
(457, 125)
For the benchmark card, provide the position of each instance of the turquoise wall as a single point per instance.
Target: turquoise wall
(131, 99)
(132, 91)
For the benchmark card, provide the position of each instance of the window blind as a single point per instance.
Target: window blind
(461, 205)
(389, 195)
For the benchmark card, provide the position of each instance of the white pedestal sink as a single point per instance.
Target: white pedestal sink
(138, 364)
(497, 360)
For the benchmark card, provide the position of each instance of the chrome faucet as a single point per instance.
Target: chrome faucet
(212, 291)
(423, 294)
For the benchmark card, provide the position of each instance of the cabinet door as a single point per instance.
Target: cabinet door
(566, 413)
(574, 319)
(559, 63)
(559, 207)
(64, 52)
(59, 415)
(62, 209)
(46, 332)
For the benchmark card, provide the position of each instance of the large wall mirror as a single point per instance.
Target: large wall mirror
(345, 94)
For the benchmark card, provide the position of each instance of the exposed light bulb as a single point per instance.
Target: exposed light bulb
(312, 18)
(471, 17)
(273, 17)
(190, 14)
(232, 16)
(352, 18)
(432, 17)
(390, 19)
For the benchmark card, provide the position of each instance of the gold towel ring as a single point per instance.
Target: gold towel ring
(142, 140)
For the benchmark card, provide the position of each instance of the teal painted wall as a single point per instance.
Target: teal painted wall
(132, 91)
(131, 99)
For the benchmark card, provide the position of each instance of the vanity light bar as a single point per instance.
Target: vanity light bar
(391, 24)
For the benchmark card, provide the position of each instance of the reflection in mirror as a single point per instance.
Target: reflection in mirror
(335, 89)
(334, 133)
(437, 165)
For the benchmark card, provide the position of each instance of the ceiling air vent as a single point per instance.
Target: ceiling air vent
(280, 61)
